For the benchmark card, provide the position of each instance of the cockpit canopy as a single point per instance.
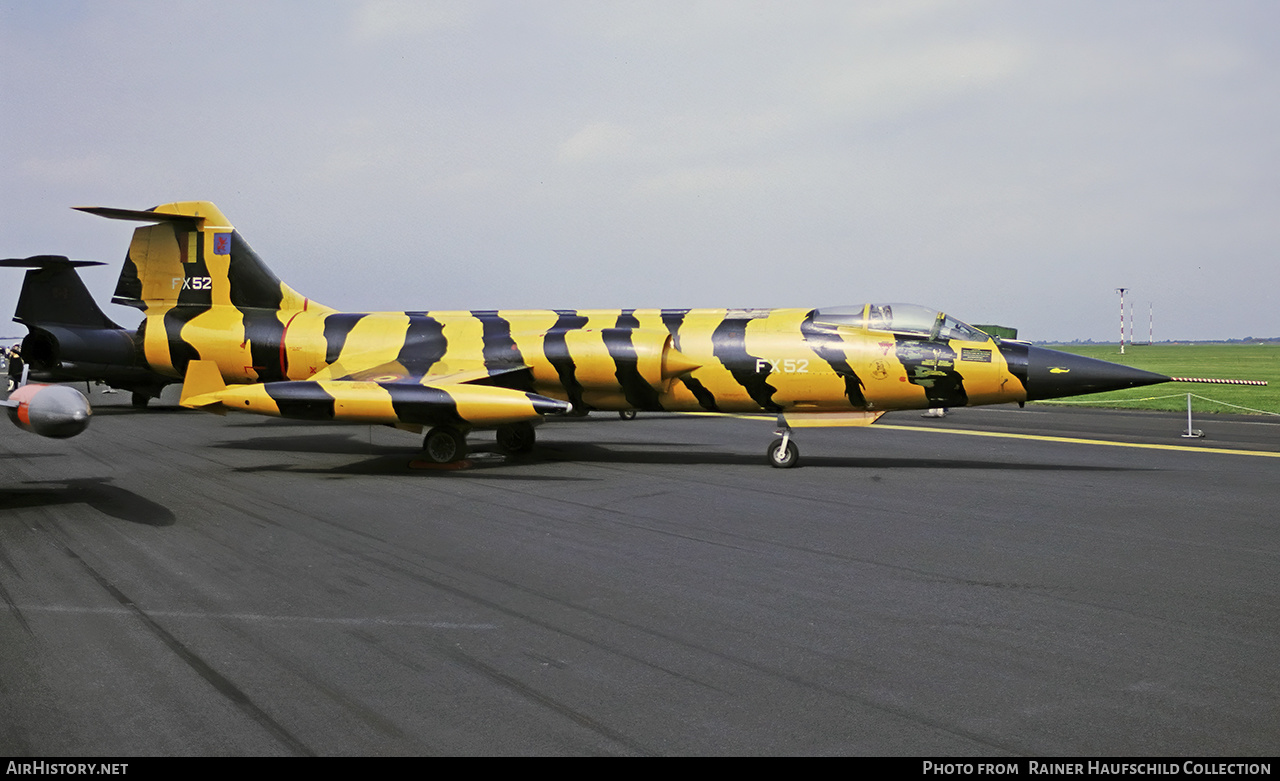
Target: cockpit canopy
(899, 319)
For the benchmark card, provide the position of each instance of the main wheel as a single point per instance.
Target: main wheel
(444, 445)
(627, 414)
(140, 400)
(783, 458)
(516, 438)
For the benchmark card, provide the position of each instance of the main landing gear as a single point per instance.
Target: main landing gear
(448, 445)
(783, 453)
(444, 445)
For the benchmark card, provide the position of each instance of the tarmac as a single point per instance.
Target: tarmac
(1039, 582)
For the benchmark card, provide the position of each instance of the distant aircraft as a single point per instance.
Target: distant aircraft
(69, 338)
(220, 319)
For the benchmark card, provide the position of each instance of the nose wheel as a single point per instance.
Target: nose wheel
(783, 453)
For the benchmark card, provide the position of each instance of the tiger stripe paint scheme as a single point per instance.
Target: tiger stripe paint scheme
(246, 341)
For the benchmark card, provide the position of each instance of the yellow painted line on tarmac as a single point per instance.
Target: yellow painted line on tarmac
(1078, 441)
(1035, 437)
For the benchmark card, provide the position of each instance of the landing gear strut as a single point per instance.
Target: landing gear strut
(444, 445)
(516, 438)
(783, 453)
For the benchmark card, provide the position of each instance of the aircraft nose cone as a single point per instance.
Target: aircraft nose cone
(1052, 374)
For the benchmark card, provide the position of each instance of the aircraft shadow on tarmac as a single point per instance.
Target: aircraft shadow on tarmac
(95, 492)
(477, 467)
(386, 460)
(588, 452)
(335, 442)
(393, 460)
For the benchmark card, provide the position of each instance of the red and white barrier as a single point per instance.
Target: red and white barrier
(1217, 381)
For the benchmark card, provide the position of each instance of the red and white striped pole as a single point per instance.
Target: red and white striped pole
(1217, 381)
(1121, 290)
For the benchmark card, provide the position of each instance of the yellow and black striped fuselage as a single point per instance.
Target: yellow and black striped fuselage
(717, 360)
(209, 299)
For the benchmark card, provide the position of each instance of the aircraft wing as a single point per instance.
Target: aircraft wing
(386, 394)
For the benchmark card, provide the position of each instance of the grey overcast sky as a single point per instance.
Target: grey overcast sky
(1010, 162)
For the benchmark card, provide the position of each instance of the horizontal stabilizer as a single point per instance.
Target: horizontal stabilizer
(48, 261)
(140, 215)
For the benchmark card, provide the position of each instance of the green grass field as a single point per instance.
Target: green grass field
(1246, 361)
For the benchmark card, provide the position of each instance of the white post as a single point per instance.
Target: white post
(1191, 433)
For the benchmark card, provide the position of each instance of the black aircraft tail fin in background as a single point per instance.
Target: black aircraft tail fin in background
(54, 294)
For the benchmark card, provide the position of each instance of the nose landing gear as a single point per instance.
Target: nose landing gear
(783, 453)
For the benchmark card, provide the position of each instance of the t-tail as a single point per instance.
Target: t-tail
(192, 256)
(206, 294)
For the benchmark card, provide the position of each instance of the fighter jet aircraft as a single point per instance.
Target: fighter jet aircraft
(218, 318)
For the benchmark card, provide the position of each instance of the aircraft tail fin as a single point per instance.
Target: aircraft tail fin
(192, 256)
(53, 293)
